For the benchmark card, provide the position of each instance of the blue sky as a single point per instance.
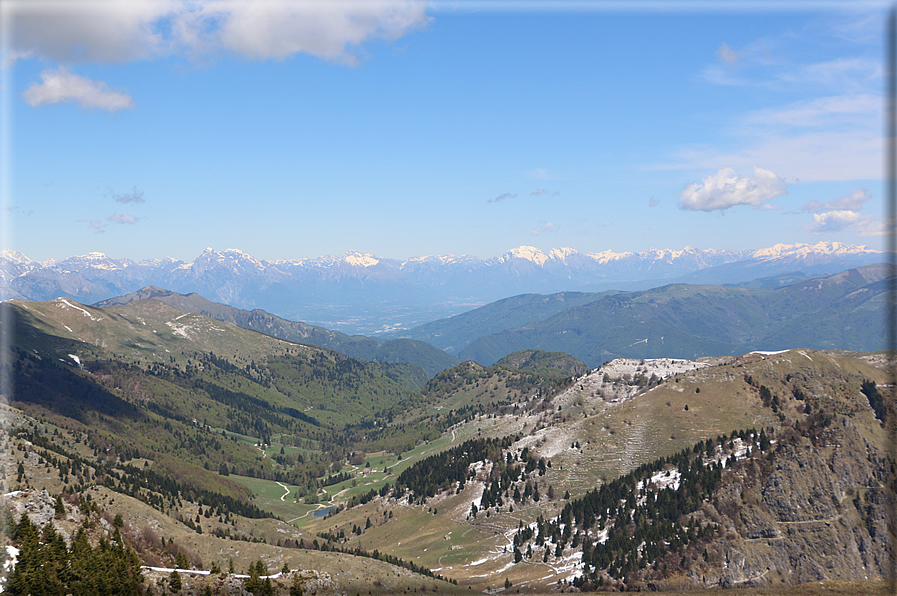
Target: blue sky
(297, 129)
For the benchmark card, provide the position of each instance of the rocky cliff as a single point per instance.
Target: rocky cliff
(819, 505)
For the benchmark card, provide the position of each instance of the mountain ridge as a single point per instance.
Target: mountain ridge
(362, 293)
(845, 310)
(670, 469)
(397, 351)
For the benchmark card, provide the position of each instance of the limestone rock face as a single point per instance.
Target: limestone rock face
(39, 506)
(812, 512)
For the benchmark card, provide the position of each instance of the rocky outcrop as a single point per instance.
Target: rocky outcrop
(805, 512)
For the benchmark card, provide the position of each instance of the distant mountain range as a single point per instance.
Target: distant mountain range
(843, 311)
(363, 293)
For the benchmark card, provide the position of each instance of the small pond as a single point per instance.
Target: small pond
(323, 512)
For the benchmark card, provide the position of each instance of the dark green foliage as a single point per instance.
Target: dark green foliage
(296, 586)
(46, 566)
(255, 583)
(161, 484)
(549, 364)
(876, 401)
(398, 351)
(439, 472)
(646, 519)
(180, 561)
(59, 507)
(174, 581)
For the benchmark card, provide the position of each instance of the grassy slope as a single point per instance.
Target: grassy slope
(431, 359)
(612, 442)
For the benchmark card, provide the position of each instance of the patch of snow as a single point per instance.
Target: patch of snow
(170, 569)
(665, 479)
(70, 305)
(503, 569)
(13, 553)
(12, 557)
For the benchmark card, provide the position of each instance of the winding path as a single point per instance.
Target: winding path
(286, 488)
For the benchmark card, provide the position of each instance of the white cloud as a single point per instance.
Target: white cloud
(846, 220)
(537, 193)
(724, 190)
(127, 30)
(324, 29)
(502, 197)
(727, 54)
(852, 202)
(860, 28)
(813, 156)
(652, 202)
(124, 218)
(834, 132)
(548, 227)
(859, 108)
(109, 31)
(827, 138)
(96, 225)
(10, 57)
(136, 196)
(61, 86)
(837, 73)
(837, 221)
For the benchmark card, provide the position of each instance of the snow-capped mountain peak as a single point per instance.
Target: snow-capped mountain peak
(606, 256)
(528, 253)
(561, 254)
(93, 260)
(357, 259)
(803, 250)
(14, 256)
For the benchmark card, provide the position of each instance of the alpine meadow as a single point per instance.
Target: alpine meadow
(346, 297)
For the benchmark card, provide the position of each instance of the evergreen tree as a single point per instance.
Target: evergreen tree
(174, 582)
